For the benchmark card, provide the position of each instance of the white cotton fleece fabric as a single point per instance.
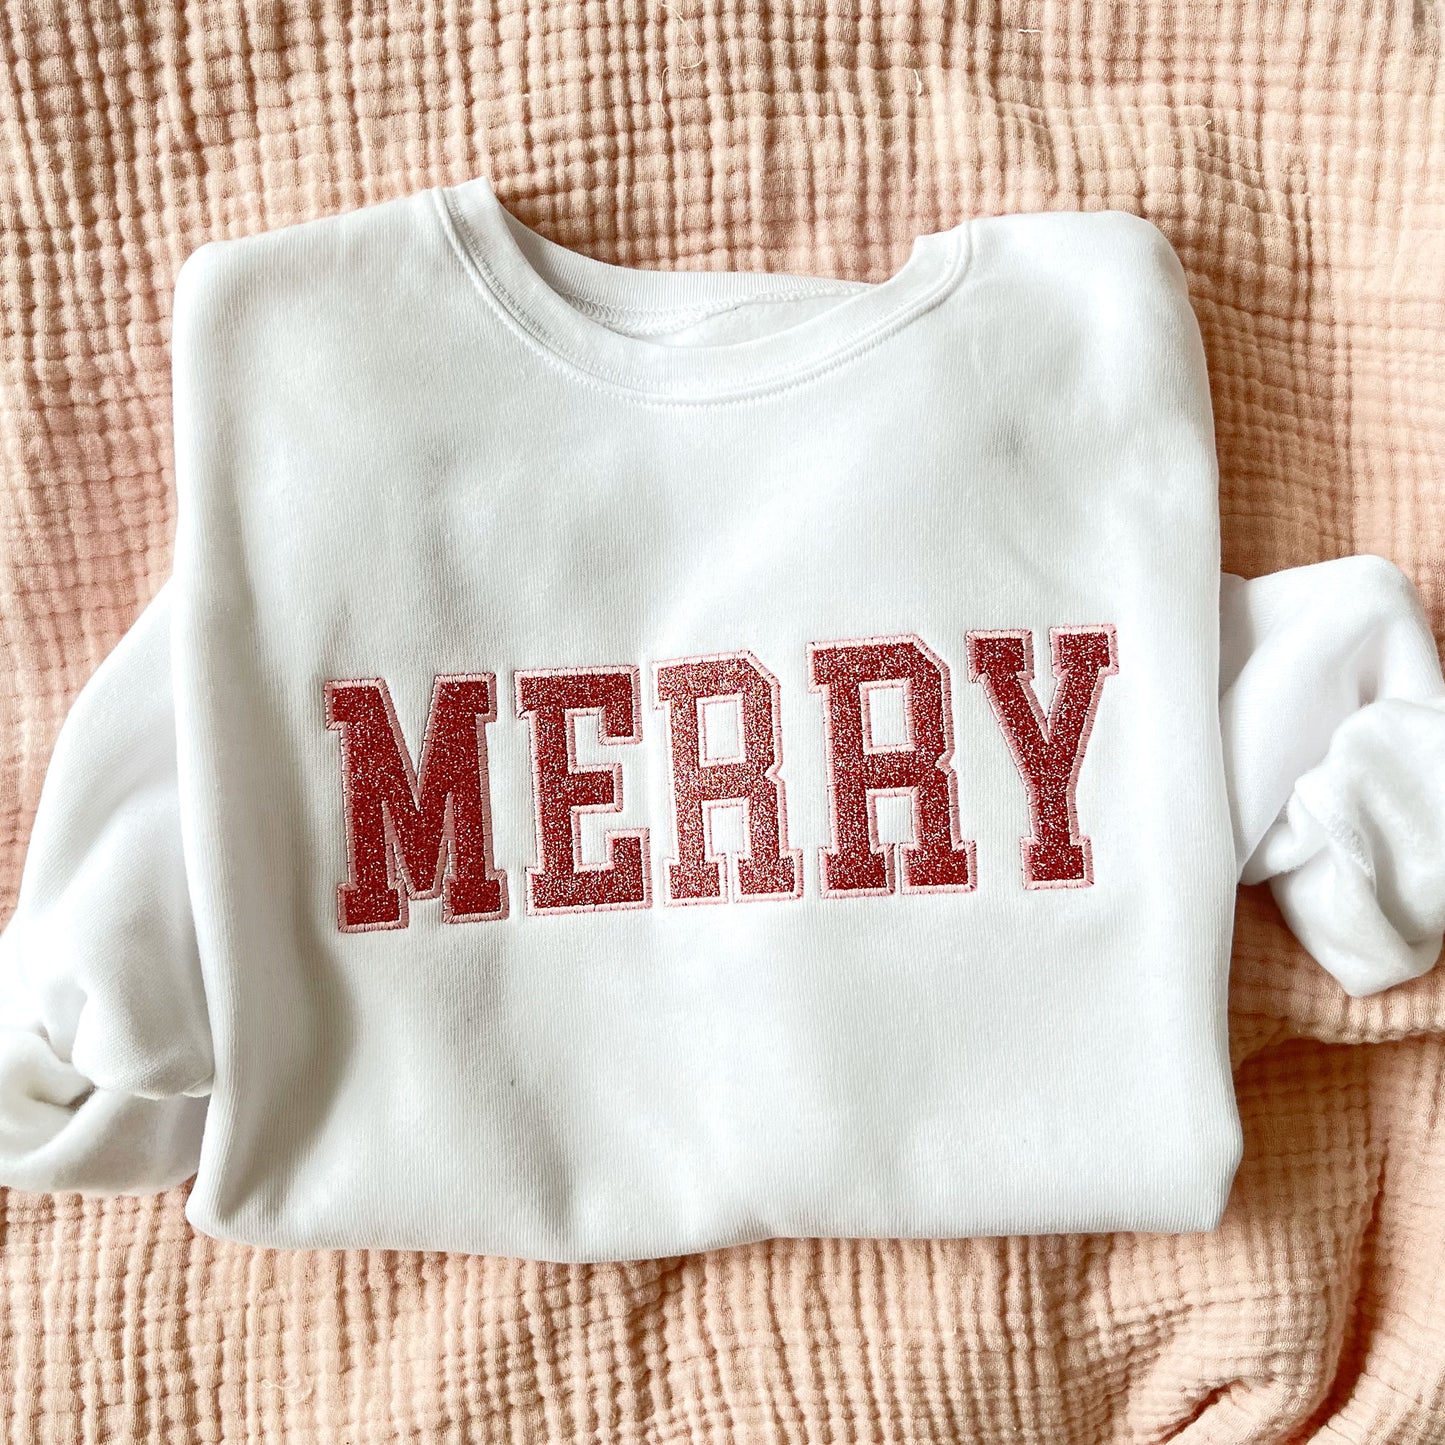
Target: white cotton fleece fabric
(420, 439)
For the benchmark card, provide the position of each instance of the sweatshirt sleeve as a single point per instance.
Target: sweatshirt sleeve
(1332, 717)
(105, 1056)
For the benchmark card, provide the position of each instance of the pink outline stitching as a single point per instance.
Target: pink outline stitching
(398, 880)
(730, 889)
(870, 749)
(733, 697)
(897, 878)
(605, 739)
(1025, 677)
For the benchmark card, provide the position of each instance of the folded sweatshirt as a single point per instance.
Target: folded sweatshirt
(635, 761)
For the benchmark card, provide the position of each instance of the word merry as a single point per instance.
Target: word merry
(416, 831)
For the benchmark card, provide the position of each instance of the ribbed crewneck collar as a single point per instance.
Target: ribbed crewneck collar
(537, 283)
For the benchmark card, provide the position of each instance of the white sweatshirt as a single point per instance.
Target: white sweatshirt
(630, 762)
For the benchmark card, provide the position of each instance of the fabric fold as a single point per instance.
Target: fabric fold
(1332, 714)
(105, 1054)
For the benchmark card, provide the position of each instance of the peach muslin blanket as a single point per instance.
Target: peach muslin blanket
(1292, 150)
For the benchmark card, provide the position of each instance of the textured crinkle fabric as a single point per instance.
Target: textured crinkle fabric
(1285, 151)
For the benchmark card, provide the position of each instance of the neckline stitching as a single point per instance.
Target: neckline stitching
(649, 324)
(700, 309)
(536, 334)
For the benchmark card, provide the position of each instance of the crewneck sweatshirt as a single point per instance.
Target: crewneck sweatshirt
(634, 761)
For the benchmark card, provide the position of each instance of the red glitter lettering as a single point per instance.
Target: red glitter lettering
(553, 700)
(770, 869)
(858, 865)
(1048, 754)
(416, 833)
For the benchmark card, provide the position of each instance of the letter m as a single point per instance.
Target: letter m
(423, 831)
